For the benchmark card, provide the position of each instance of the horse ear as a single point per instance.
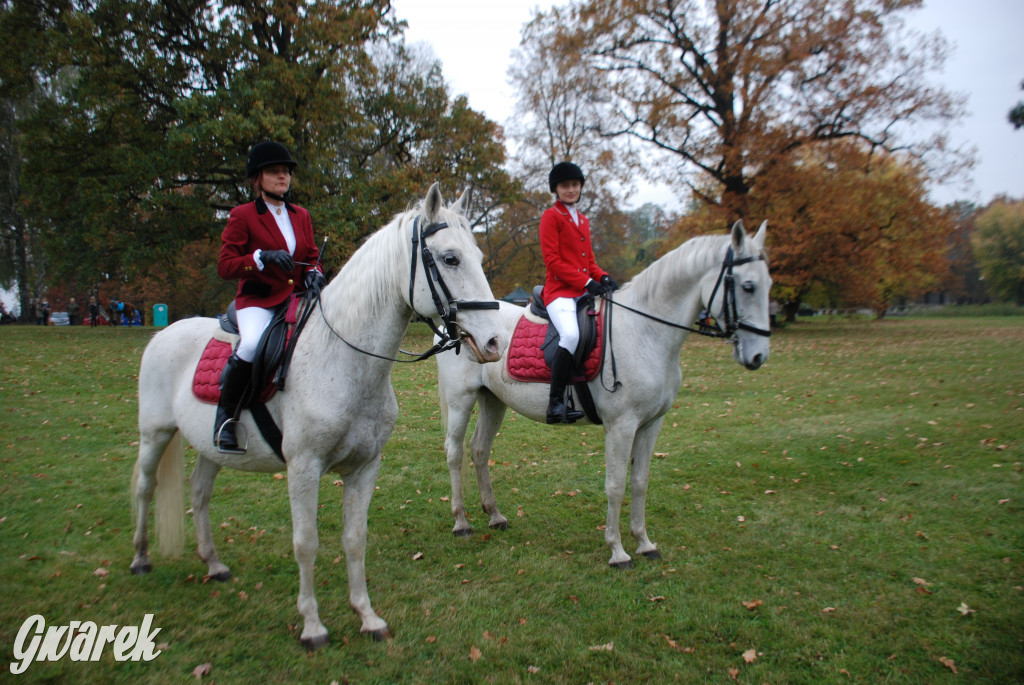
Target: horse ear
(432, 203)
(761, 234)
(464, 202)
(739, 236)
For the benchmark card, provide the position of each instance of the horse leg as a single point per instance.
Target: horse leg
(355, 508)
(488, 423)
(639, 476)
(458, 412)
(160, 454)
(151, 448)
(303, 493)
(618, 444)
(202, 488)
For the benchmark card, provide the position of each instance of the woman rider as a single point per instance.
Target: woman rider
(268, 246)
(571, 273)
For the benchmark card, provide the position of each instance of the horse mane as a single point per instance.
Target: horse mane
(374, 278)
(695, 256)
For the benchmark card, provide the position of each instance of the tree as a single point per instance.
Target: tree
(728, 89)
(851, 229)
(1016, 115)
(137, 152)
(999, 249)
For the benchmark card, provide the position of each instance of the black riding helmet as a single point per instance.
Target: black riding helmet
(267, 154)
(564, 171)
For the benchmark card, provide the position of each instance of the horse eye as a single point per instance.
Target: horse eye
(451, 258)
(748, 287)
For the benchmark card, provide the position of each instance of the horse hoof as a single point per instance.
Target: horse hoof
(500, 525)
(653, 554)
(381, 635)
(622, 565)
(141, 569)
(314, 643)
(464, 533)
(220, 577)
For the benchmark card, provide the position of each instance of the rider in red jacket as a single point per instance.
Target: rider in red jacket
(571, 273)
(268, 246)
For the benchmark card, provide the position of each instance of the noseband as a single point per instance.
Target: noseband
(447, 308)
(708, 325)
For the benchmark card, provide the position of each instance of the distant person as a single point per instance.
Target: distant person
(73, 312)
(571, 273)
(46, 312)
(94, 311)
(260, 246)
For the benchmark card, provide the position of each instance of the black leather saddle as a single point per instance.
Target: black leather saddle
(271, 349)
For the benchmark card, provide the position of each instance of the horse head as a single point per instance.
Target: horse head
(737, 294)
(447, 279)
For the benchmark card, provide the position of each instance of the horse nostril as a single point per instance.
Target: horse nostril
(756, 362)
(492, 344)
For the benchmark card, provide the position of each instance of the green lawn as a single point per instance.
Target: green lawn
(850, 513)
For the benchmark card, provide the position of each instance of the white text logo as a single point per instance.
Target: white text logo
(82, 641)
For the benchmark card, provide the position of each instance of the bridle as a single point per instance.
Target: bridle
(447, 308)
(706, 324)
(732, 321)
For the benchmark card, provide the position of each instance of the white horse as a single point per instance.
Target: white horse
(338, 408)
(702, 273)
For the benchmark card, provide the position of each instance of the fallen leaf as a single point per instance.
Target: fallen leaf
(828, 610)
(474, 654)
(734, 672)
(752, 604)
(948, 663)
(532, 669)
(921, 581)
(750, 656)
(658, 598)
(431, 639)
(101, 572)
(201, 670)
(965, 610)
(603, 648)
(417, 556)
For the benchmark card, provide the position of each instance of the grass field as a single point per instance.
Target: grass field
(850, 513)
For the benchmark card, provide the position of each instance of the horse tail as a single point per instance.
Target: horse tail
(169, 496)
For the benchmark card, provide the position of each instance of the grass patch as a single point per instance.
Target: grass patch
(831, 512)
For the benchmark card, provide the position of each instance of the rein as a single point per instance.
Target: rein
(447, 309)
(706, 324)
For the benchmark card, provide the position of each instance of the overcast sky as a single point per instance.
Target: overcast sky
(474, 40)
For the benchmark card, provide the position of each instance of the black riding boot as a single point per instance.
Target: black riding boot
(233, 383)
(561, 369)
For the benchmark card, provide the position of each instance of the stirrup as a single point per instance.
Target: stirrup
(228, 450)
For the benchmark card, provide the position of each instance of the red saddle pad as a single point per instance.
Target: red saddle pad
(206, 380)
(525, 359)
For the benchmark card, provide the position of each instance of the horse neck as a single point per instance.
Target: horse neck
(364, 303)
(670, 287)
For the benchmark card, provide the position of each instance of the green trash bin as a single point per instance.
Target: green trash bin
(159, 315)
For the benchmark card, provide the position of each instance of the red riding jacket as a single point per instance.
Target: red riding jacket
(251, 227)
(568, 254)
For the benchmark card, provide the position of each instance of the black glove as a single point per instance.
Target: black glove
(279, 258)
(596, 289)
(609, 282)
(315, 280)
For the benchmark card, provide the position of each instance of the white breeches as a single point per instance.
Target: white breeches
(252, 321)
(562, 312)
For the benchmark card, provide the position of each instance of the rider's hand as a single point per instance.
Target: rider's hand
(596, 289)
(315, 280)
(609, 283)
(279, 258)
